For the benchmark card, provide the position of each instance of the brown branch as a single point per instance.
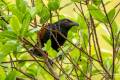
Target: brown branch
(2, 18)
(65, 6)
(52, 73)
(69, 56)
(113, 42)
(35, 19)
(31, 77)
(81, 49)
(20, 61)
(98, 46)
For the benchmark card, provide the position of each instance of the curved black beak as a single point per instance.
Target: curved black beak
(75, 24)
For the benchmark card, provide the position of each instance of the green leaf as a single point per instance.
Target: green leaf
(107, 39)
(62, 77)
(118, 54)
(96, 13)
(107, 62)
(2, 4)
(82, 22)
(11, 76)
(38, 5)
(2, 56)
(48, 45)
(25, 24)
(32, 69)
(8, 34)
(44, 77)
(97, 2)
(75, 54)
(2, 74)
(76, 0)
(9, 46)
(53, 4)
(15, 24)
(111, 15)
(83, 31)
(16, 12)
(21, 6)
(42, 11)
(48, 48)
(33, 12)
(115, 28)
(45, 15)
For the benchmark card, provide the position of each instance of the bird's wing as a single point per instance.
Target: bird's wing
(43, 34)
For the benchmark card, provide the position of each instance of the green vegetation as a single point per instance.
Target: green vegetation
(85, 54)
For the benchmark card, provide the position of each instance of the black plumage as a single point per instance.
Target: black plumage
(50, 32)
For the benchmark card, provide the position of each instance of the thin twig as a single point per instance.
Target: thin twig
(52, 73)
(20, 61)
(113, 42)
(31, 77)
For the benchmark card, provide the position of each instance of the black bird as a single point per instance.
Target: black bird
(48, 32)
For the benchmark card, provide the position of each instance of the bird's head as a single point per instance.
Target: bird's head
(66, 23)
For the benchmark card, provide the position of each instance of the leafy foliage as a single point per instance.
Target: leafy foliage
(15, 24)
(54, 4)
(90, 50)
(96, 13)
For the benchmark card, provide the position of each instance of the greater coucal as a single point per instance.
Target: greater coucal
(50, 32)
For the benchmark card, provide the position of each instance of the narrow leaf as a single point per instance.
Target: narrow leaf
(108, 40)
(110, 14)
(16, 12)
(97, 2)
(54, 4)
(76, 0)
(38, 5)
(15, 24)
(49, 49)
(96, 13)
(2, 73)
(11, 76)
(8, 34)
(25, 24)
(21, 6)
(42, 11)
(45, 15)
